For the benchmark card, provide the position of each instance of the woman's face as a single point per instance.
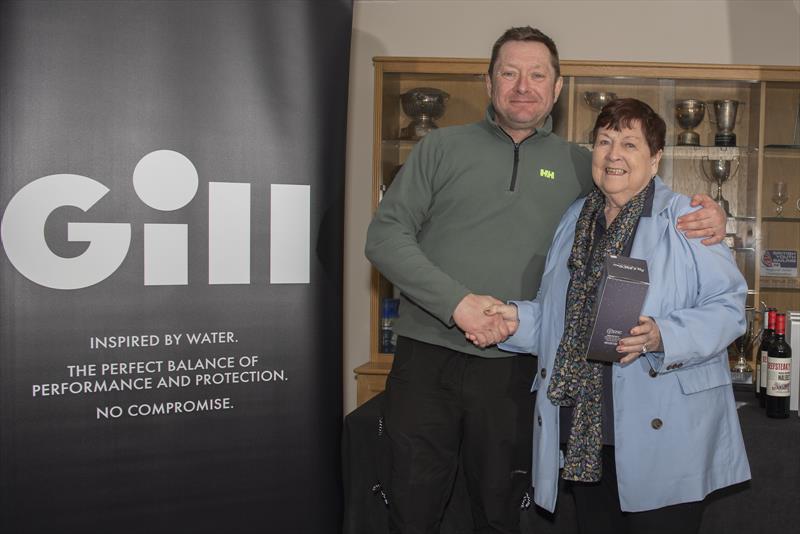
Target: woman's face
(621, 162)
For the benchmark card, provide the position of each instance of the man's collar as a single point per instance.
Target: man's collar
(545, 129)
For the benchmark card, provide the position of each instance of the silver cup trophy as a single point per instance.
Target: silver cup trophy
(689, 114)
(725, 117)
(596, 100)
(718, 171)
(741, 372)
(423, 105)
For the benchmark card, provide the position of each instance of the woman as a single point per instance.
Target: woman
(642, 441)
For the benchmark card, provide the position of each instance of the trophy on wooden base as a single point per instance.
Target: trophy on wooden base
(718, 171)
(423, 105)
(597, 100)
(741, 372)
(725, 117)
(689, 114)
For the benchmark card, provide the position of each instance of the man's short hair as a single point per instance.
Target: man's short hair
(526, 34)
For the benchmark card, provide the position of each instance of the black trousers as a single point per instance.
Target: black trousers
(598, 509)
(441, 405)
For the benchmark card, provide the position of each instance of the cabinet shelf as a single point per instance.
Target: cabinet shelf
(399, 143)
(708, 152)
(795, 220)
(701, 152)
(782, 151)
(780, 283)
(766, 289)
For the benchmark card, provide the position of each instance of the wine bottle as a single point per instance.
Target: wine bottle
(779, 366)
(761, 363)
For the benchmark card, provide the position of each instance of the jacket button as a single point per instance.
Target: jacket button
(656, 423)
(539, 420)
(543, 372)
(653, 373)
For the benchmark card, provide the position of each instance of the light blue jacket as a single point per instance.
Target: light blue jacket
(696, 297)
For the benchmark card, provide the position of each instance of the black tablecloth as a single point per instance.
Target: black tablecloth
(770, 502)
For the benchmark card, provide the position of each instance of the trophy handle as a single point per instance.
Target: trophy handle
(736, 169)
(712, 115)
(703, 162)
(750, 338)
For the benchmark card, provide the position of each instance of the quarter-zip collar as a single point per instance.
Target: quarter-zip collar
(546, 129)
(491, 118)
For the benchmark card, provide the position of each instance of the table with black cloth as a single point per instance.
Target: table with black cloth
(770, 502)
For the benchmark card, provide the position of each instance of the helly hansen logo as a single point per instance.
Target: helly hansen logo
(550, 175)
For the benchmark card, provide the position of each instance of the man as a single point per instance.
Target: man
(467, 223)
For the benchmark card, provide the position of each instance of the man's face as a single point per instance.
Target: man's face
(523, 87)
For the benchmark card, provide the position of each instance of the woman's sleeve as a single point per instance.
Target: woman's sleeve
(526, 338)
(695, 334)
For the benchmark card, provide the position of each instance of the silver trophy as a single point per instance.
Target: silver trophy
(725, 117)
(718, 171)
(423, 105)
(741, 372)
(597, 100)
(689, 114)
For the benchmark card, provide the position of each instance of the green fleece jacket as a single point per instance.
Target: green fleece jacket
(472, 212)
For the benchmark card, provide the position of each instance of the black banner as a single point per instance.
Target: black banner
(171, 186)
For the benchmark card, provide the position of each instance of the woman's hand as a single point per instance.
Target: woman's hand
(645, 337)
(507, 312)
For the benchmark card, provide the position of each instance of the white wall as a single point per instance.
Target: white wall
(686, 31)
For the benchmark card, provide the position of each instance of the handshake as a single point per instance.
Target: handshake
(485, 320)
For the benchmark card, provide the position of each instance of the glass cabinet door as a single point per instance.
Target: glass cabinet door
(694, 161)
(780, 197)
(413, 103)
(743, 150)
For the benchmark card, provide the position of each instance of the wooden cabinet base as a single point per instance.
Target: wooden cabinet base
(371, 378)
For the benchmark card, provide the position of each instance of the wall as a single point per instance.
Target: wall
(696, 31)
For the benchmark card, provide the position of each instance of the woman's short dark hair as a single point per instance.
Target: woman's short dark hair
(625, 112)
(526, 33)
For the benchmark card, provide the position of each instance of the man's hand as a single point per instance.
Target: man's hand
(510, 316)
(708, 222)
(469, 316)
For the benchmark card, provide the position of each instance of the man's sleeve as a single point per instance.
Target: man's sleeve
(392, 244)
(582, 161)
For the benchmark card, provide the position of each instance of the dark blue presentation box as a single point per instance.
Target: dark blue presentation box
(620, 297)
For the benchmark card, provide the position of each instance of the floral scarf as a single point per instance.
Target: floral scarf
(575, 381)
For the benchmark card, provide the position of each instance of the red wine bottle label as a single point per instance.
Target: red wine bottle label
(764, 368)
(779, 371)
